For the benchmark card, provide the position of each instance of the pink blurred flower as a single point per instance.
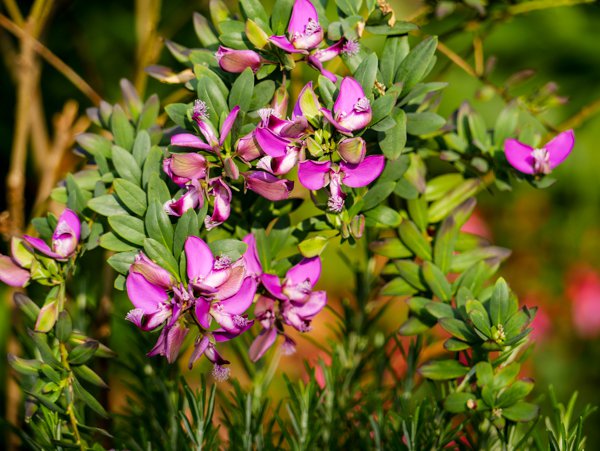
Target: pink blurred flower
(583, 289)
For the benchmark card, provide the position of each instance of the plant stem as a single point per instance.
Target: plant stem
(64, 357)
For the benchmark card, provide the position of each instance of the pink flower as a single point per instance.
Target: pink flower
(182, 168)
(268, 185)
(351, 110)
(64, 240)
(14, 270)
(584, 291)
(304, 30)
(540, 161)
(236, 61)
(316, 175)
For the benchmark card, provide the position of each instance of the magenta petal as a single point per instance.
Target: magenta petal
(332, 121)
(272, 283)
(222, 204)
(350, 93)
(283, 165)
(361, 174)
(199, 258)
(519, 156)
(152, 272)
(202, 312)
(316, 302)
(175, 338)
(239, 302)
(560, 147)
(247, 148)
(251, 261)
(232, 285)
(307, 269)
(227, 124)
(188, 165)
(144, 295)
(236, 61)
(330, 52)
(222, 335)
(209, 133)
(268, 186)
(68, 223)
(41, 246)
(262, 343)
(199, 347)
(189, 200)
(12, 274)
(270, 143)
(303, 11)
(283, 43)
(189, 140)
(312, 174)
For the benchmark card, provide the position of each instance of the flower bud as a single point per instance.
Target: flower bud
(352, 150)
(236, 61)
(357, 226)
(231, 169)
(268, 186)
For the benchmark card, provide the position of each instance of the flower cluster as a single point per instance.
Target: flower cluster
(216, 298)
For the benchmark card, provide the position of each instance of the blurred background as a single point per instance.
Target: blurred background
(554, 233)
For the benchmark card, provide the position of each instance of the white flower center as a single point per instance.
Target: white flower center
(362, 105)
(351, 48)
(200, 110)
(541, 161)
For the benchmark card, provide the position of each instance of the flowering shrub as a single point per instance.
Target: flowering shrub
(202, 217)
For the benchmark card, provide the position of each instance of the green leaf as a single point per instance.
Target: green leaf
(366, 73)
(122, 130)
(397, 287)
(382, 108)
(158, 224)
(485, 373)
(506, 124)
(26, 367)
(466, 259)
(417, 210)
(209, 92)
(443, 247)
(85, 372)
(95, 144)
(282, 9)
(457, 402)
(414, 326)
(437, 281)
(439, 186)
(394, 51)
(441, 370)
(391, 248)
(161, 255)
(234, 249)
(521, 412)
(326, 90)
(393, 140)
(313, 247)
(46, 401)
(242, 90)
(414, 67)
(177, 112)
(149, 114)
(77, 198)
(423, 123)
(110, 242)
(385, 216)
(187, 226)
(499, 303)
(441, 208)
(126, 165)
(88, 399)
(82, 353)
(455, 345)
(459, 329)
(514, 393)
(106, 205)
(152, 165)
(132, 196)
(398, 28)
(414, 239)
(158, 189)
(204, 32)
(411, 272)
(121, 261)
(141, 147)
(439, 310)
(128, 228)
(377, 194)
(254, 10)
(262, 94)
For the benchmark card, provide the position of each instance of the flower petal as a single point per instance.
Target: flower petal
(308, 268)
(144, 295)
(350, 93)
(273, 285)
(317, 64)
(68, 224)
(251, 261)
(188, 165)
(560, 147)
(270, 143)
(330, 52)
(41, 246)
(316, 302)
(329, 116)
(189, 140)
(519, 156)
(262, 343)
(268, 186)
(11, 273)
(202, 312)
(303, 12)
(283, 43)
(199, 258)
(239, 302)
(236, 61)
(233, 283)
(227, 124)
(152, 272)
(357, 175)
(312, 174)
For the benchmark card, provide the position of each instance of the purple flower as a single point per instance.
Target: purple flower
(316, 175)
(64, 240)
(251, 260)
(221, 194)
(169, 342)
(304, 30)
(182, 168)
(213, 142)
(297, 305)
(236, 61)
(352, 150)
(268, 185)
(14, 270)
(190, 199)
(540, 161)
(351, 110)
(247, 149)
